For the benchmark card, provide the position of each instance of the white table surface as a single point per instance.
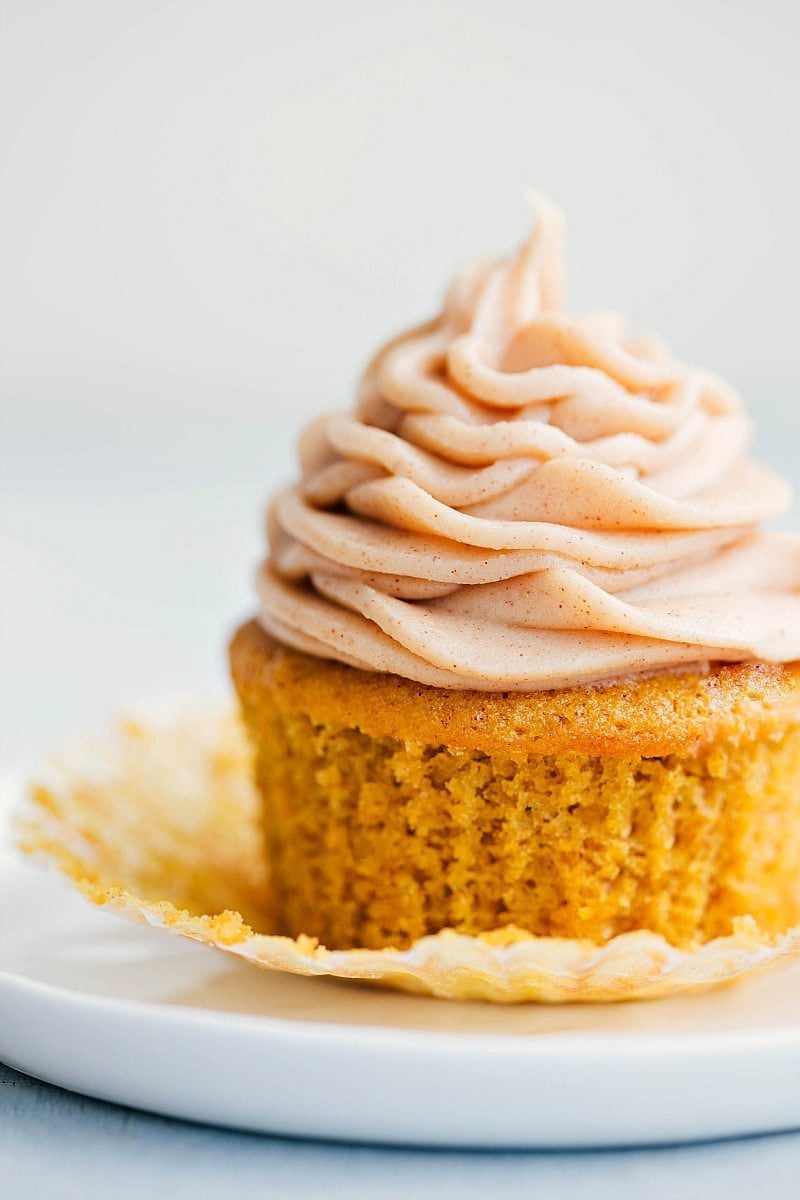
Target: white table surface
(58, 1146)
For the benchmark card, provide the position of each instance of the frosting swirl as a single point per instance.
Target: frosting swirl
(525, 500)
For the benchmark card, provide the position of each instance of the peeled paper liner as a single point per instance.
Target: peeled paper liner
(158, 822)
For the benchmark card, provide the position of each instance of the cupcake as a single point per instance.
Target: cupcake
(523, 660)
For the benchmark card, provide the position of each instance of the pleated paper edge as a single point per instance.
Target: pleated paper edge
(507, 966)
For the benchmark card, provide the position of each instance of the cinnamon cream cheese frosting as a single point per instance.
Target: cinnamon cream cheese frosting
(525, 500)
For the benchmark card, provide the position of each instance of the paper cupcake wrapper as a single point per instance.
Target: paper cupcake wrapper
(158, 822)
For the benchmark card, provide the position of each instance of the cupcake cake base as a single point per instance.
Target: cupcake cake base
(392, 810)
(157, 820)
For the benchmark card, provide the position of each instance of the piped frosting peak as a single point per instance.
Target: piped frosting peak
(523, 500)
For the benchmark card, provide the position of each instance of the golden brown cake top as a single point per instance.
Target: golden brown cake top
(665, 714)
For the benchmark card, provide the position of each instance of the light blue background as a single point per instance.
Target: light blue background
(57, 1146)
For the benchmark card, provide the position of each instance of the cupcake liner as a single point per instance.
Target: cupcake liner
(158, 821)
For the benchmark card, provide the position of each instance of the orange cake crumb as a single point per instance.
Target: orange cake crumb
(393, 810)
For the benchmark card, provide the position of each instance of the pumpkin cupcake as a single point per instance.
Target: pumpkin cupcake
(522, 656)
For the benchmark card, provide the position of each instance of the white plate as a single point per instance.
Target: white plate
(135, 1015)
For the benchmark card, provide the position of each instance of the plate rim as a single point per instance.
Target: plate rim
(569, 1056)
(628, 1043)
